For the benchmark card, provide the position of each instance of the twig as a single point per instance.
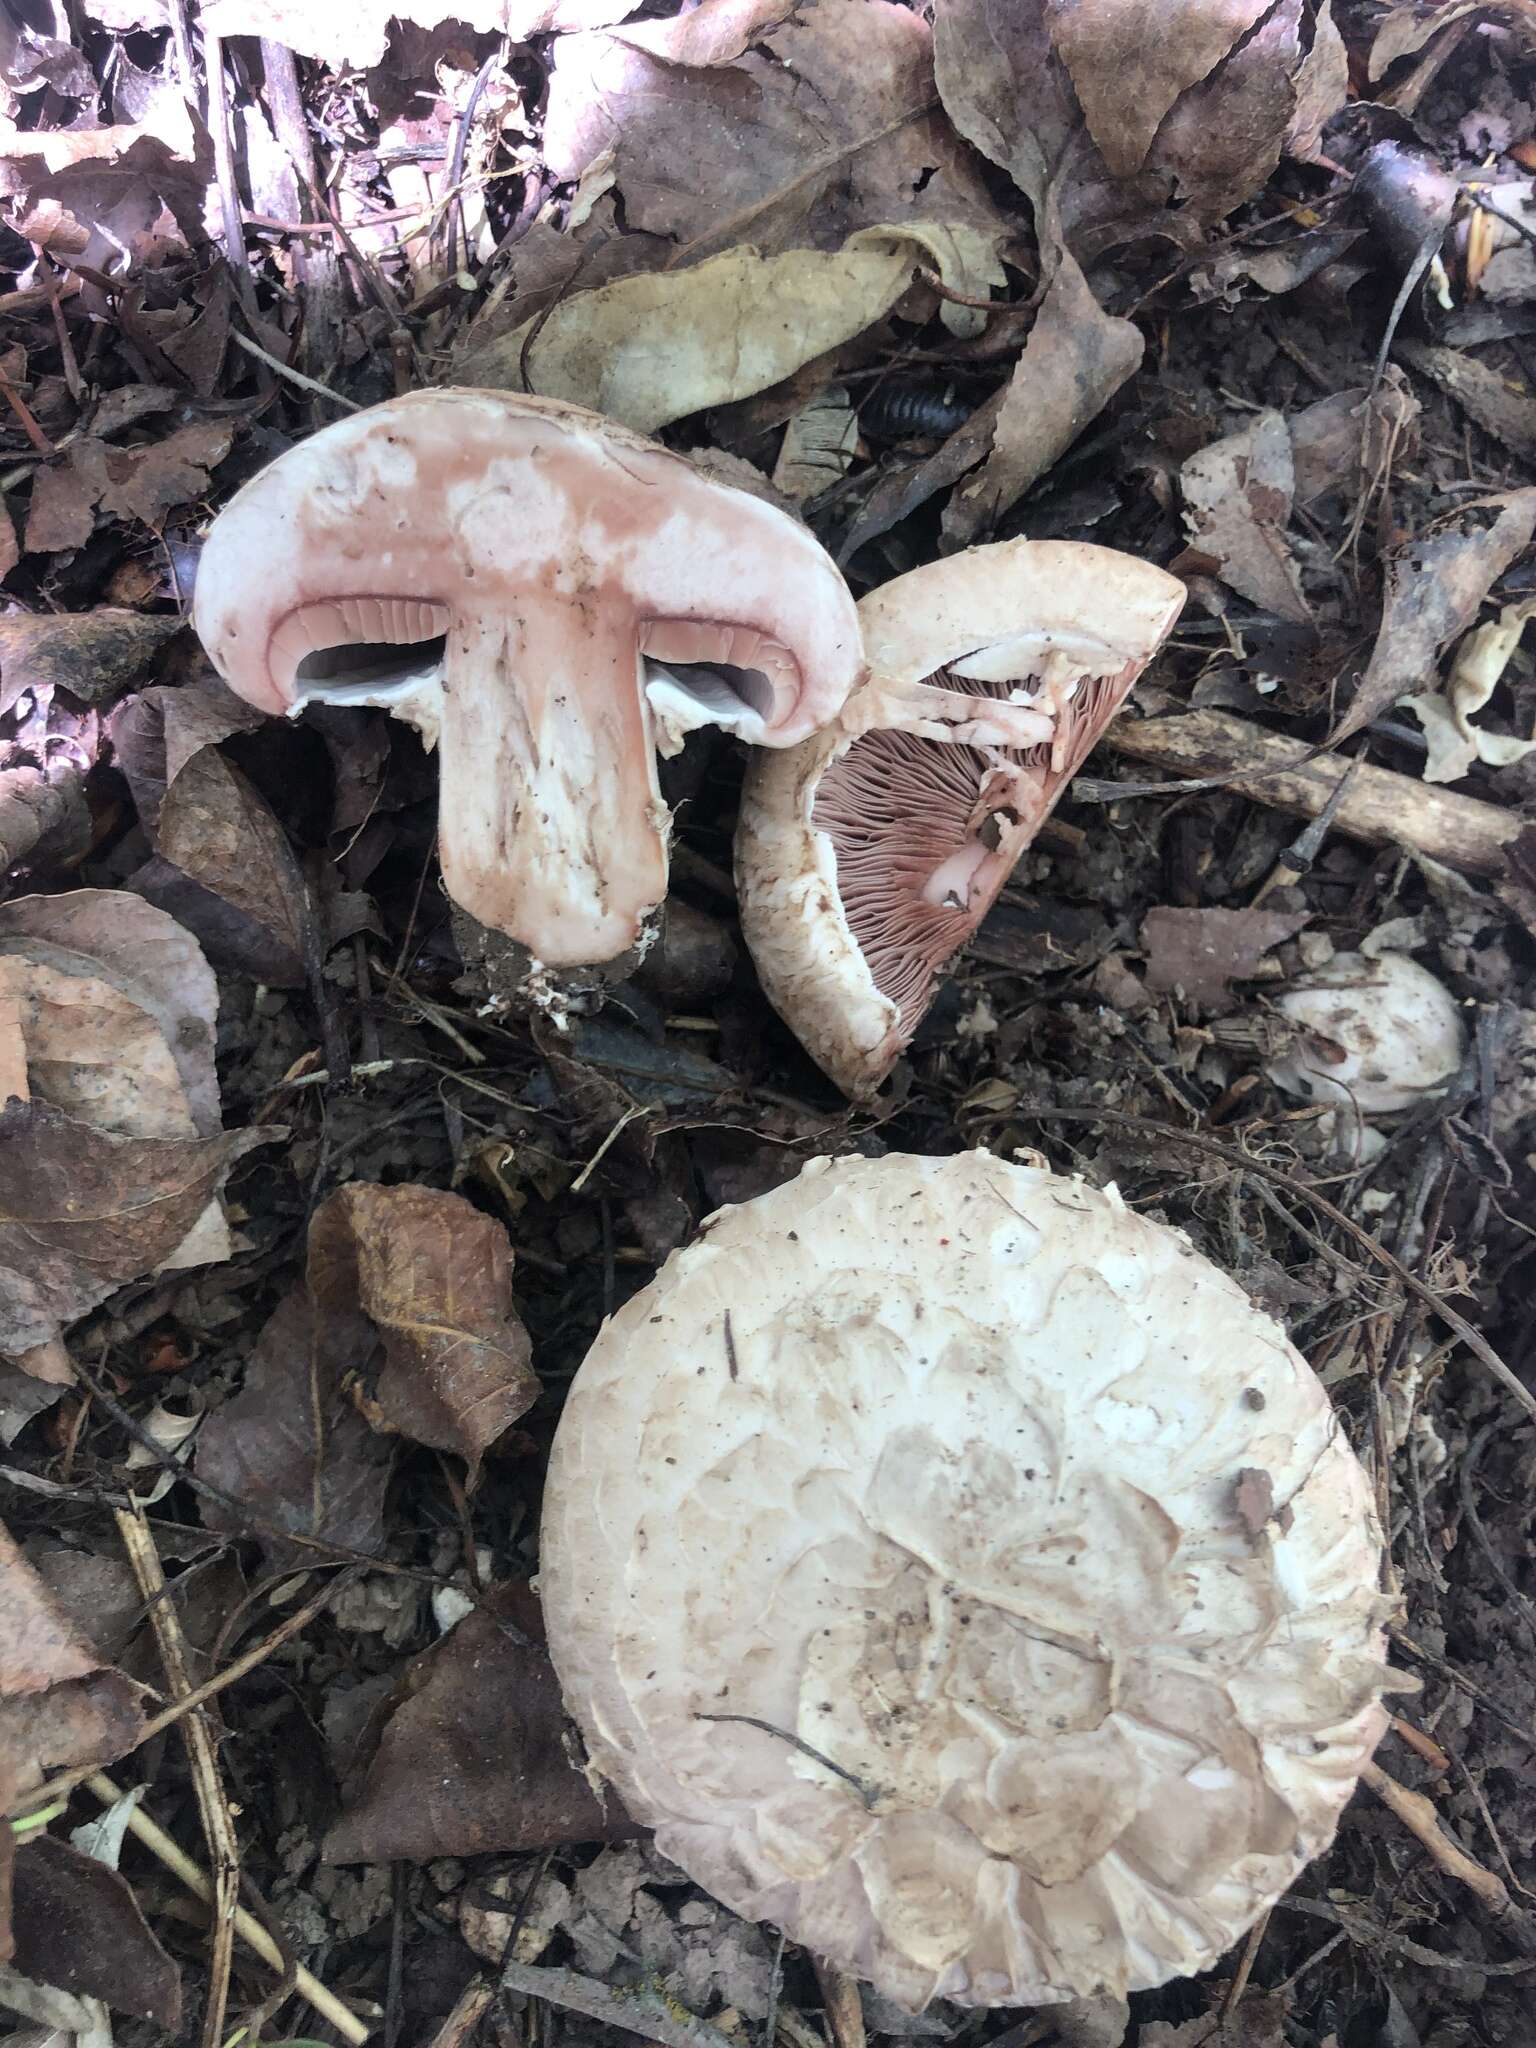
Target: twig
(470, 2007)
(224, 169)
(1463, 1683)
(1380, 806)
(1241, 1162)
(254, 348)
(247, 1926)
(634, 2011)
(840, 2001)
(25, 415)
(212, 1800)
(1418, 1815)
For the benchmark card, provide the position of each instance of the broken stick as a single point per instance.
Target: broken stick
(1379, 806)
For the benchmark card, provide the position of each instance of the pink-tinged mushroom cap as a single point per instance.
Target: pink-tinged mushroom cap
(959, 1572)
(549, 598)
(867, 856)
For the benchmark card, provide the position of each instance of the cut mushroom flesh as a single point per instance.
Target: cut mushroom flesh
(572, 599)
(868, 856)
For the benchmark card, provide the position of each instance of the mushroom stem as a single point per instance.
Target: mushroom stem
(556, 833)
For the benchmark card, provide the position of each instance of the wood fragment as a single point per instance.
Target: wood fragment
(840, 2001)
(1380, 806)
(202, 1753)
(1418, 1815)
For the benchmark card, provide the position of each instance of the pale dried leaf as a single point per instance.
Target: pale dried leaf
(1129, 60)
(818, 445)
(355, 33)
(1455, 742)
(715, 32)
(1407, 29)
(1237, 499)
(651, 349)
(1076, 358)
(1434, 588)
(1219, 143)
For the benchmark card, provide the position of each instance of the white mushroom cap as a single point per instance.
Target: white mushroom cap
(548, 597)
(956, 1570)
(1377, 1034)
(867, 856)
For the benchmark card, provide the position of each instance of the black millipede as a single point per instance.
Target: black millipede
(893, 411)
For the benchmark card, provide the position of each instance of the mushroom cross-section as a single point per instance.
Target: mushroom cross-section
(867, 856)
(957, 1570)
(548, 597)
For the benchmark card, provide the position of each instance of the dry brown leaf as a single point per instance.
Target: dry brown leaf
(1322, 87)
(157, 732)
(836, 129)
(292, 1445)
(716, 32)
(1129, 60)
(219, 830)
(83, 1212)
(1200, 952)
(433, 1278)
(95, 655)
(903, 488)
(78, 1925)
(355, 33)
(1076, 358)
(143, 483)
(651, 349)
(1406, 29)
(473, 1760)
(1345, 440)
(10, 545)
(1237, 498)
(1007, 90)
(1434, 588)
(42, 820)
(150, 962)
(1220, 142)
(59, 1703)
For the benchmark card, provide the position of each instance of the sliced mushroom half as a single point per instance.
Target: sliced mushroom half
(868, 855)
(549, 598)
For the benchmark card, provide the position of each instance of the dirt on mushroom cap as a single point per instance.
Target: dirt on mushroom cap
(972, 1662)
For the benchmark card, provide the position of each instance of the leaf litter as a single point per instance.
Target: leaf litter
(302, 1234)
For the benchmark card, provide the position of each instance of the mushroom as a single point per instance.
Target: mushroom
(867, 856)
(958, 1571)
(1374, 1035)
(548, 597)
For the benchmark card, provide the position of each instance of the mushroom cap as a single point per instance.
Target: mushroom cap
(958, 1571)
(868, 855)
(1379, 1034)
(548, 596)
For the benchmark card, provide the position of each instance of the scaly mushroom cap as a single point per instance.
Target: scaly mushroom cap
(547, 596)
(866, 857)
(957, 1570)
